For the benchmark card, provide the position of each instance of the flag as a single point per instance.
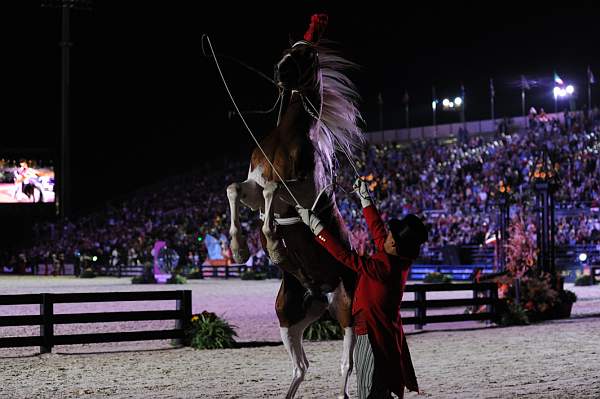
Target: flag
(405, 98)
(591, 79)
(492, 91)
(558, 80)
(524, 83)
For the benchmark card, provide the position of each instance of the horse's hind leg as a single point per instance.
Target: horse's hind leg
(341, 307)
(293, 320)
(247, 193)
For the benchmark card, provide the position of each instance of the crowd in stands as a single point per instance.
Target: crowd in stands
(451, 183)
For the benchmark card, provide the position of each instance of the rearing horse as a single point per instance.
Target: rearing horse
(320, 116)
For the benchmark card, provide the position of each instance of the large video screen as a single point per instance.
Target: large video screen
(26, 180)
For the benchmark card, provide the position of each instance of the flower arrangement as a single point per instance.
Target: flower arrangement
(436, 277)
(88, 273)
(529, 295)
(209, 331)
(176, 279)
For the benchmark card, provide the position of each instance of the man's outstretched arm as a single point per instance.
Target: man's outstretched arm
(339, 251)
(374, 222)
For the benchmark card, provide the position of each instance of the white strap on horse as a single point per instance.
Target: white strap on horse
(296, 219)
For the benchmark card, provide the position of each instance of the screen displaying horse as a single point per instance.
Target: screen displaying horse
(26, 181)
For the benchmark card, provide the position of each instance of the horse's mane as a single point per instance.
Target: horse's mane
(338, 127)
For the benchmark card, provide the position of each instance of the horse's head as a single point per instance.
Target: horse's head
(298, 68)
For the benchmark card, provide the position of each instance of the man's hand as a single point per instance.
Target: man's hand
(310, 219)
(361, 189)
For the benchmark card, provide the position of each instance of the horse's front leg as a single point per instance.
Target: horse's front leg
(247, 193)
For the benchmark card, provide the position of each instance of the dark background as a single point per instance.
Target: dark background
(146, 104)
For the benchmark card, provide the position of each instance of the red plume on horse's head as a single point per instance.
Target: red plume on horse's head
(318, 23)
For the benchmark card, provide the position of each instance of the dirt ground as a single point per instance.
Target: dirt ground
(558, 359)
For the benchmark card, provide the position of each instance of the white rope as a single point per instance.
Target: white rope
(246, 124)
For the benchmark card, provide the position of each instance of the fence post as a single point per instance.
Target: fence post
(184, 306)
(47, 326)
(226, 272)
(493, 307)
(421, 309)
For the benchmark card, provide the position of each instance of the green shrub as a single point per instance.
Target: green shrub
(584, 279)
(253, 275)
(88, 273)
(176, 279)
(209, 331)
(195, 273)
(324, 329)
(143, 279)
(514, 315)
(436, 277)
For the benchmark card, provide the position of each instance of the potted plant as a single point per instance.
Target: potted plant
(564, 305)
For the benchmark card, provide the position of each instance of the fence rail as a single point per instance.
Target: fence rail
(47, 319)
(420, 304)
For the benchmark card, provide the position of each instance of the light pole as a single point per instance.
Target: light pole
(434, 103)
(65, 6)
(492, 97)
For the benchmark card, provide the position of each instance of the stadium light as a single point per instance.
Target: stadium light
(455, 105)
(434, 105)
(556, 92)
(570, 89)
(582, 257)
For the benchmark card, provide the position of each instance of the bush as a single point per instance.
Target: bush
(324, 329)
(195, 274)
(253, 275)
(514, 315)
(88, 273)
(143, 279)
(176, 279)
(436, 277)
(584, 279)
(209, 331)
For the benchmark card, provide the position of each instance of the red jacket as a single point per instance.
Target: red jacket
(376, 306)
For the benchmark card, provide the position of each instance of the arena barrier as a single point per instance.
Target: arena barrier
(484, 294)
(47, 319)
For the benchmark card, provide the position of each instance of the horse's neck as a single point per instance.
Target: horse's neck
(295, 120)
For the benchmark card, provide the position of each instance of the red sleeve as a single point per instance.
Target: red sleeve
(351, 259)
(376, 226)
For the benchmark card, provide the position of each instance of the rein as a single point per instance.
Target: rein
(316, 115)
(245, 123)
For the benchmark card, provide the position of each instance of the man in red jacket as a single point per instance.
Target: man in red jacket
(381, 354)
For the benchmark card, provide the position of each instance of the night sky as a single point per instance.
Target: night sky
(146, 104)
